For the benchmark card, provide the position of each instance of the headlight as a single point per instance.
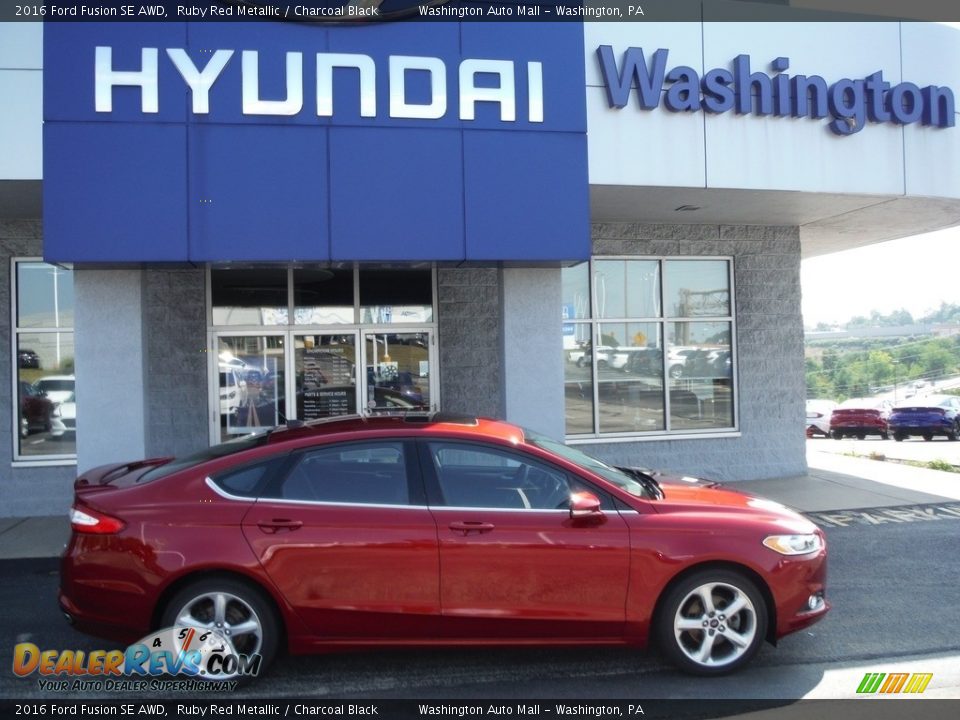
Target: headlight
(794, 544)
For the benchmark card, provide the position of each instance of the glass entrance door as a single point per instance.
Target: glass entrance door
(398, 371)
(250, 387)
(325, 368)
(259, 382)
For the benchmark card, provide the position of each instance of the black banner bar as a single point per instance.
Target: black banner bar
(359, 12)
(872, 708)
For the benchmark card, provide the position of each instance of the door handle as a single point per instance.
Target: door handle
(279, 524)
(468, 526)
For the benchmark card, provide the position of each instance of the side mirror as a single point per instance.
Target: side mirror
(583, 505)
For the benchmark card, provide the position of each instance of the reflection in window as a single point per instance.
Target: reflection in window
(396, 296)
(45, 412)
(358, 474)
(323, 296)
(249, 297)
(697, 288)
(471, 476)
(648, 371)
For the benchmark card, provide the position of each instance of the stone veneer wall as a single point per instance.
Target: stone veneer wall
(175, 363)
(470, 336)
(24, 491)
(770, 365)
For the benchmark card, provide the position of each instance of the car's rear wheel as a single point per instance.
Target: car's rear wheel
(928, 437)
(837, 435)
(712, 622)
(899, 437)
(238, 613)
(861, 436)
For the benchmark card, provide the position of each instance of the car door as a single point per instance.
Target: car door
(346, 537)
(514, 563)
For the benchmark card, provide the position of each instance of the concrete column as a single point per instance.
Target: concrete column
(533, 349)
(109, 360)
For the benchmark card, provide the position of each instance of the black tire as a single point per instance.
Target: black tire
(861, 436)
(244, 603)
(928, 437)
(884, 436)
(683, 603)
(955, 433)
(899, 437)
(836, 435)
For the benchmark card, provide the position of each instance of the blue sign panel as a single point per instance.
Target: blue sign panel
(274, 142)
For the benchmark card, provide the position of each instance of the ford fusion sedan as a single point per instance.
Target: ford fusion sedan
(434, 530)
(927, 417)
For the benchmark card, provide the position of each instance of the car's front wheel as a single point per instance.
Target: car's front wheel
(237, 613)
(712, 622)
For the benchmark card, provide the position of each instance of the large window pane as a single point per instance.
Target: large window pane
(326, 375)
(626, 288)
(578, 380)
(44, 296)
(396, 296)
(249, 297)
(47, 408)
(701, 375)
(398, 371)
(250, 371)
(575, 282)
(697, 288)
(630, 377)
(323, 297)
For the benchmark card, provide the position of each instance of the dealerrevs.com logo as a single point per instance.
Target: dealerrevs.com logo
(176, 658)
(894, 683)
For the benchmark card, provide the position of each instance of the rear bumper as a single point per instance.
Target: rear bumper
(932, 429)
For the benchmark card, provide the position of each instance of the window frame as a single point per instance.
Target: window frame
(594, 323)
(18, 459)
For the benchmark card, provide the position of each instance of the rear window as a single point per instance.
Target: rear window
(231, 447)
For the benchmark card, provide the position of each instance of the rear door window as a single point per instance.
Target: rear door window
(367, 473)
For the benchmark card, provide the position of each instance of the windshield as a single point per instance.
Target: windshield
(611, 474)
(230, 447)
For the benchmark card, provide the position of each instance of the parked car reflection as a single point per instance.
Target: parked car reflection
(36, 411)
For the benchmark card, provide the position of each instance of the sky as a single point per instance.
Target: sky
(915, 273)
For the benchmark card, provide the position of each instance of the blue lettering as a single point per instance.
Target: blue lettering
(938, 107)
(684, 94)
(717, 93)
(847, 107)
(850, 103)
(906, 103)
(747, 82)
(618, 84)
(134, 658)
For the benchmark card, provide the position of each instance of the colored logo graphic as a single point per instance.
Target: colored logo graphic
(889, 684)
(197, 653)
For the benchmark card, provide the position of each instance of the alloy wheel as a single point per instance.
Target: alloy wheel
(715, 624)
(231, 616)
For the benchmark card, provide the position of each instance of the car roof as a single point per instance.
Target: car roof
(435, 423)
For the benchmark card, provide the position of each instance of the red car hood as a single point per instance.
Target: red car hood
(693, 495)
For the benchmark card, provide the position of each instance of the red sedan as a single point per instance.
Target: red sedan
(441, 530)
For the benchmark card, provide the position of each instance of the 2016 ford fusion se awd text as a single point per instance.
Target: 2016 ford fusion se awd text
(442, 530)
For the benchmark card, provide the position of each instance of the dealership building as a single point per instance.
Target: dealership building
(591, 229)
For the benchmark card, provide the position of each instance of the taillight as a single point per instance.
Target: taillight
(94, 523)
